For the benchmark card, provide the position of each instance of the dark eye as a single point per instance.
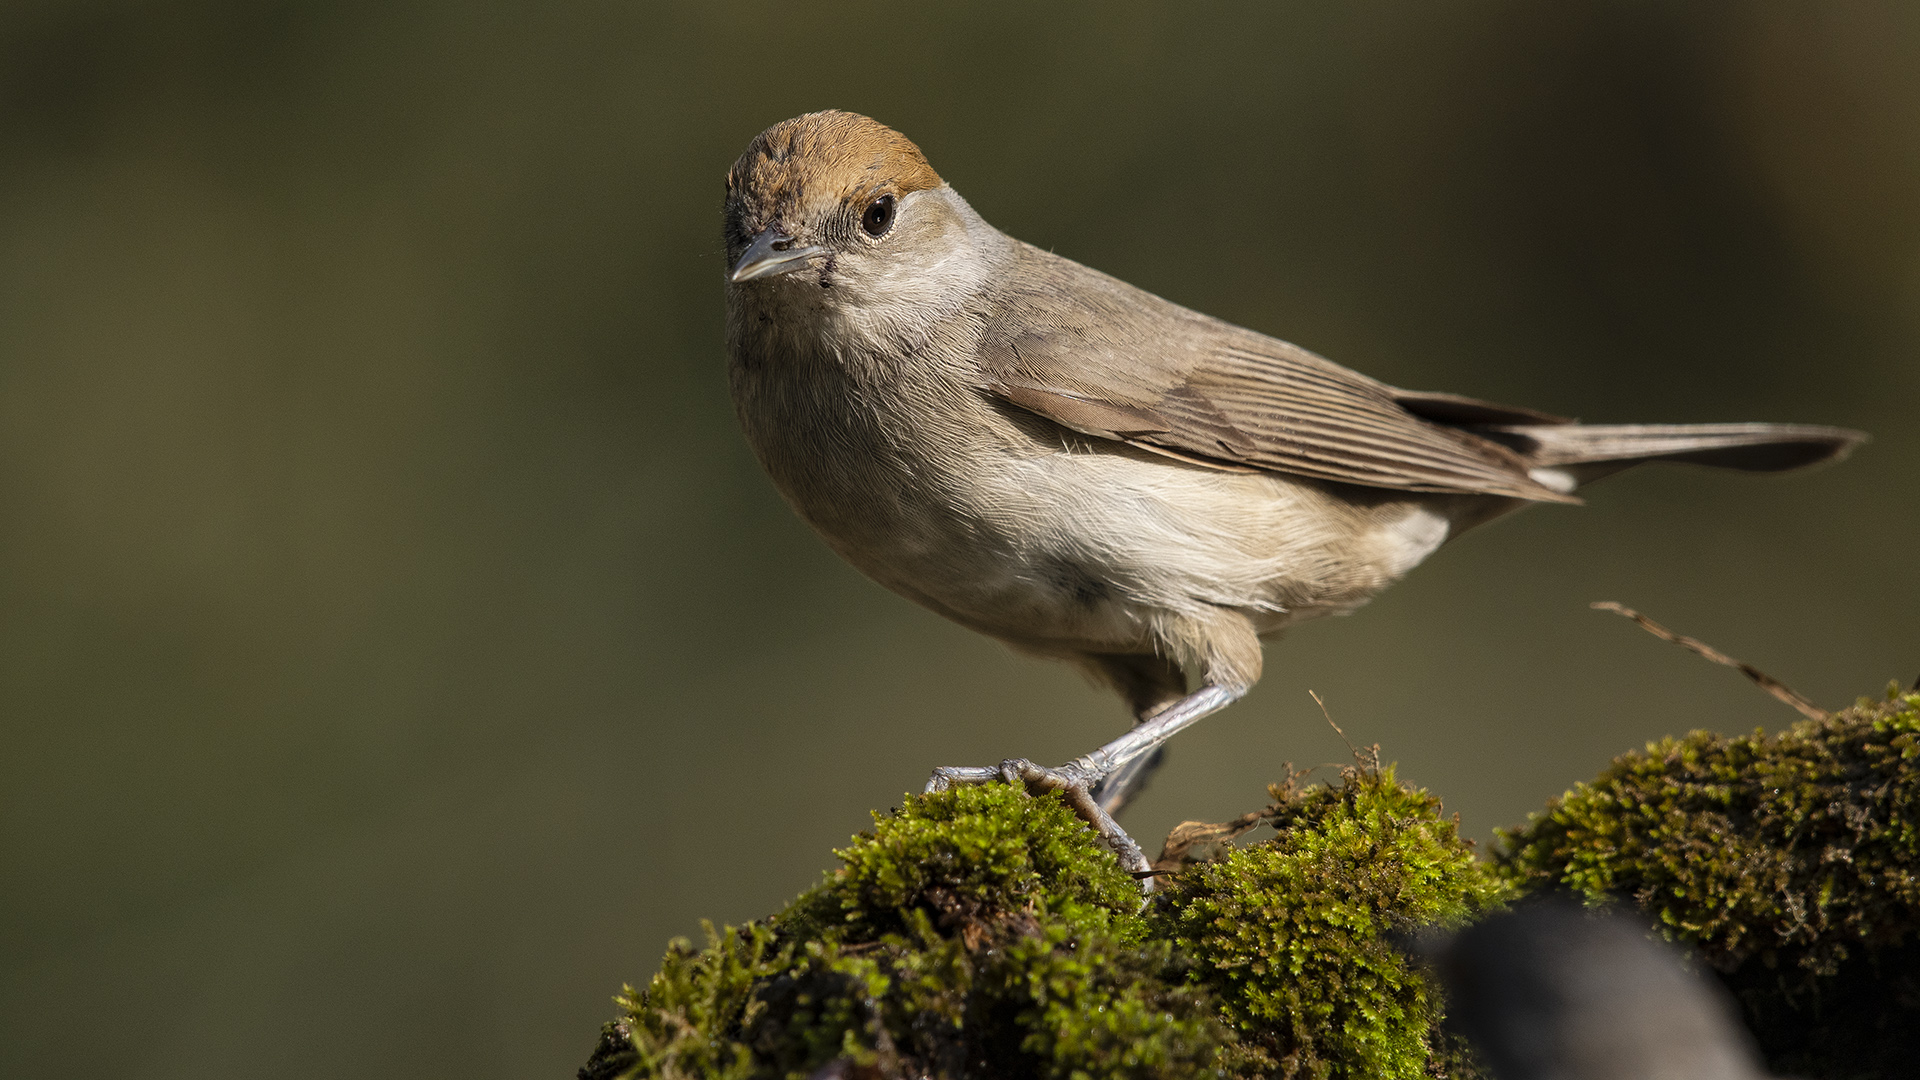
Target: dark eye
(879, 216)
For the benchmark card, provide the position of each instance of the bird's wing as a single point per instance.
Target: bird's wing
(1098, 356)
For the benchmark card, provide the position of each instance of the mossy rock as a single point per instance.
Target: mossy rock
(1791, 862)
(984, 932)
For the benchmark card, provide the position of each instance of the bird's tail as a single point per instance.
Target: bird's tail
(1565, 456)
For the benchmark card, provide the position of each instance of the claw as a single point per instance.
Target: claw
(947, 777)
(1074, 785)
(1076, 779)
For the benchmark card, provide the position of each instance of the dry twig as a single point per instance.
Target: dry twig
(1766, 682)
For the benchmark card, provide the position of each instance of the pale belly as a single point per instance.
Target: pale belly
(1077, 552)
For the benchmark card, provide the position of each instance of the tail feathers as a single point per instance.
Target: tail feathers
(1584, 452)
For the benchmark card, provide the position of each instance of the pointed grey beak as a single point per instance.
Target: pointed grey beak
(771, 254)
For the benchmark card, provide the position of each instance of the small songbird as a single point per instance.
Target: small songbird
(1086, 471)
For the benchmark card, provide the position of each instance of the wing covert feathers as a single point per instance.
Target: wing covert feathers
(1098, 356)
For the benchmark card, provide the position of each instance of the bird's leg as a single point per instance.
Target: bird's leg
(1121, 785)
(1149, 683)
(1076, 779)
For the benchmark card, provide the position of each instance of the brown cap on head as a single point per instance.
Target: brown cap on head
(825, 157)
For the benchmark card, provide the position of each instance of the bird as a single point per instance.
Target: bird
(1088, 472)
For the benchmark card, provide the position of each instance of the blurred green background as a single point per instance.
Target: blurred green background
(398, 644)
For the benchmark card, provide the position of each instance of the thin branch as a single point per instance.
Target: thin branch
(1334, 726)
(1359, 759)
(1766, 682)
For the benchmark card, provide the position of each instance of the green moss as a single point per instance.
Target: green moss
(981, 932)
(1295, 933)
(974, 932)
(984, 932)
(1791, 861)
(968, 859)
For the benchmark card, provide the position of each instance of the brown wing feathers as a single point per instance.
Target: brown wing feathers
(1101, 357)
(1139, 369)
(1305, 415)
(1083, 414)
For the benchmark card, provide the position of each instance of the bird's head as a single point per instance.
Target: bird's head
(833, 211)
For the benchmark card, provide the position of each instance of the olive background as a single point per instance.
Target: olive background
(398, 643)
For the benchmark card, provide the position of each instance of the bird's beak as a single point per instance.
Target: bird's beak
(771, 253)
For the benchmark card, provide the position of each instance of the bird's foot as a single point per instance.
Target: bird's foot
(1075, 783)
(1077, 780)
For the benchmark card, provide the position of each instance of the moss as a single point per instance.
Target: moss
(984, 932)
(1296, 934)
(974, 932)
(1791, 861)
(969, 859)
(981, 932)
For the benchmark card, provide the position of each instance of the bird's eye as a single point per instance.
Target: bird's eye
(879, 216)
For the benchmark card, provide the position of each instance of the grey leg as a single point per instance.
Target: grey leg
(1121, 786)
(1149, 683)
(1076, 778)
